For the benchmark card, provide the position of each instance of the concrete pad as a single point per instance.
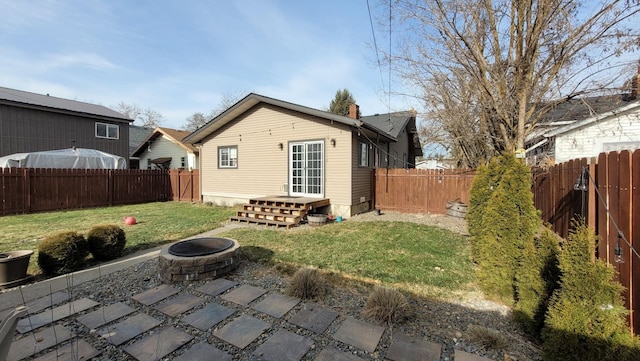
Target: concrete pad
(360, 334)
(158, 345)
(104, 315)
(175, 306)
(30, 345)
(216, 286)
(203, 351)
(208, 316)
(405, 348)
(155, 294)
(77, 349)
(241, 331)
(331, 354)
(128, 329)
(283, 346)
(55, 314)
(276, 305)
(314, 318)
(465, 356)
(244, 294)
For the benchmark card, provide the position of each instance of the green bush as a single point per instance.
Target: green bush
(106, 242)
(503, 222)
(62, 253)
(536, 280)
(586, 319)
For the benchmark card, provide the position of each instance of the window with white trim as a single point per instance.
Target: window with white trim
(364, 155)
(109, 131)
(228, 157)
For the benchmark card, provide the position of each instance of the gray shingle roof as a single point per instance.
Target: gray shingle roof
(390, 123)
(54, 103)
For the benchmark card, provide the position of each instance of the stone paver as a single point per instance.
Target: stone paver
(77, 349)
(55, 314)
(104, 315)
(129, 328)
(216, 286)
(405, 348)
(331, 354)
(203, 351)
(276, 305)
(208, 316)
(158, 345)
(244, 294)
(241, 331)
(156, 294)
(465, 356)
(53, 299)
(314, 318)
(283, 346)
(175, 306)
(360, 334)
(30, 345)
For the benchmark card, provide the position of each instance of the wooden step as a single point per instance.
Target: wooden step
(262, 221)
(269, 216)
(273, 209)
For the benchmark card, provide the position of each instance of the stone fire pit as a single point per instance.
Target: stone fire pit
(198, 259)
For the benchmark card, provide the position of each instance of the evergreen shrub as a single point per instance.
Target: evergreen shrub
(586, 319)
(106, 242)
(536, 280)
(62, 253)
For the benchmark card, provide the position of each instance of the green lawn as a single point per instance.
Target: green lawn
(413, 257)
(410, 256)
(158, 223)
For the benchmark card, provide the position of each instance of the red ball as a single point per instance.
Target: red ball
(129, 220)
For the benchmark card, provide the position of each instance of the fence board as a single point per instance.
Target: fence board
(37, 190)
(635, 237)
(420, 190)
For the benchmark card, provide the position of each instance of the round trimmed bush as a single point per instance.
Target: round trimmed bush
(62, 253)
(106, 242)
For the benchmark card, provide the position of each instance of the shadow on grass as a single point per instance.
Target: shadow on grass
(256, 254)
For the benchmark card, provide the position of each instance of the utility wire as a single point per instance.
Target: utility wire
(375, 43)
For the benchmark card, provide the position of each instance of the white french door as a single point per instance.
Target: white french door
(306, 169)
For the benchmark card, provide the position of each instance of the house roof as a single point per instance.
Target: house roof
(575, 110)
(33, 100)
(253, 99)
(137, 135)
(623, 108)
(173, 135)
(390, 123)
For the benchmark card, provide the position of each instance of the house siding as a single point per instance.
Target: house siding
(163, 147)
(263, 168)
(31, 130)
(361, 179)
(611, 134)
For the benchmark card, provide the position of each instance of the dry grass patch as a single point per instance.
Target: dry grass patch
(387, 304)
(307, 283)
(487, 338)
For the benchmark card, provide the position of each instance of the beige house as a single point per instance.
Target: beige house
(264, 147)
(163, 149)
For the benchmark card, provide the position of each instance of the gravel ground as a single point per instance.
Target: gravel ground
(444, 322)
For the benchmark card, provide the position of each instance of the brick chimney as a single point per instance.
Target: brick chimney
(354, 111)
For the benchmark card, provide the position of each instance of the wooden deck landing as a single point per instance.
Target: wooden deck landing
(279, 211)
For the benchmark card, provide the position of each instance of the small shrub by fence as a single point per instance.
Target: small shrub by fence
(30, 190)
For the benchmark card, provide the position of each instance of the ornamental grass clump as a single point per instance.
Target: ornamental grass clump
(106, 242)
(387, 305)
(307, 283)
(62, 253)
(586, 319)
(487, 338)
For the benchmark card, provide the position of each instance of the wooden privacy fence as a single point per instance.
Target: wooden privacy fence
(607, 195)
(420, 190)
(29, 190)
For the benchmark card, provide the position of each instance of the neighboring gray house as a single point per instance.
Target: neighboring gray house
(31, 122)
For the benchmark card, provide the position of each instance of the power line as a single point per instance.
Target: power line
(375, 44)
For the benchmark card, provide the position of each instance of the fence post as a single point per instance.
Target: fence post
(27, 190)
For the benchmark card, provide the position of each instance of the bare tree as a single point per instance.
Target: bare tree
(227, 100)
(493, 69)
(195, 121)
(148, 117)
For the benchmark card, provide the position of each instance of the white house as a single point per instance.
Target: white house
(164, 149)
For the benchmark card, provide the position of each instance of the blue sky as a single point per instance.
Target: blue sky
(180, 57)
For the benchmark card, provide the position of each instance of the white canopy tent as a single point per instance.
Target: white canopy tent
(76, 158)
